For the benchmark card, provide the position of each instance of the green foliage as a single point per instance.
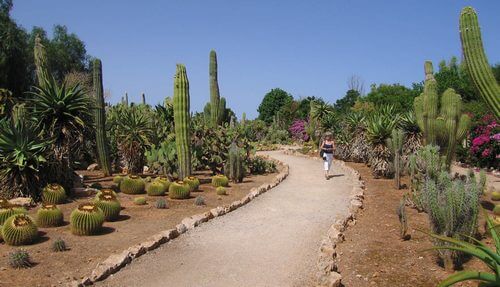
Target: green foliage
(220, 190)
(19, 229)
(49, 215)
(59, 245)
(272, 103)
(163, 159)
(179, 190)
(454, 75)
(199, 201)
(478, 250)
(234, 167)
(161, 203)
(21, 156)
(182, 120)
(396, 95)
(109, 205)
(193, 182)
(156, 188)
(86, 219)
(220, 180)
(141, 200)
(345, 104)
(259, 165)
(53, 194)
(132, 184)
(19, 259)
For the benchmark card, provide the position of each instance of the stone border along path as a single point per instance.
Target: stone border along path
(272, 242)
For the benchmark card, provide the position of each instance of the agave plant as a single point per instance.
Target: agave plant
(21, 156)
(413, 137)
(358, 144)
(479, 250)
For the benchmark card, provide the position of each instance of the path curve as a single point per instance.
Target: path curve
(272, 241)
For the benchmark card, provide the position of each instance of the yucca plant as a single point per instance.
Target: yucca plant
(478, 250)
(413, 137)
(21, 156)
(356, 130)
(62, 113)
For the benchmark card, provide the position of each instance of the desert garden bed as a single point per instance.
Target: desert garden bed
(136, 223)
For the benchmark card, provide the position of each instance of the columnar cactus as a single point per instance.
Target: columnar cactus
(182, 121)
(222, 110)
(445, 126)
(243, 119)
(476, 61)
(143, 96)
(214, 90)
(100, 120)
(396, 145)
(234, 168)
(42, 72)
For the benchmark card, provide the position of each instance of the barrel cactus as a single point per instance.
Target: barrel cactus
(49, 215)
(221, 190)
(54, 194)
(117, 179)
(9, 210)
(179, 190)
(105, 191)
(495, 195)
(109, 205)
(193, 182)
(87, 219)
(163, 180)
(132, 184)
(19, 229)
(156, 188)
(141, 200)
(220, 180)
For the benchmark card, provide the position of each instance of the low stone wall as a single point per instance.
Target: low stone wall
(117, 261)
(327, 274)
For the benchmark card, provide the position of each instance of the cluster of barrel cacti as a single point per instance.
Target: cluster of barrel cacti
(440, 117)
(132, 184)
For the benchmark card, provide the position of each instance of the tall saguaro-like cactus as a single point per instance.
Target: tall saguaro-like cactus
(476, 61)
(446, 126)
(182, 120)
(396, 145)
(42, 72)
(100, 119)
(214, 90)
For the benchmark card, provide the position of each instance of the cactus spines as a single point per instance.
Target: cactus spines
(179, 190)
(234, 168)
(100, 120)
(163, 180)
(132, 184)
(42, 72)
(222, 110)
(19, 229)
(156, 188)
(220, 180)
(86, 219)
(49, 215)
(107, 191)
(7, 211)
(182, 121)
(396, 145)
(193, 182)
(109, 205)
(20, 259)
(214, 90)
(476, 61)
(53, 193)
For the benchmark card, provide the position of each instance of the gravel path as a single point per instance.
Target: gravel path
(272, 241)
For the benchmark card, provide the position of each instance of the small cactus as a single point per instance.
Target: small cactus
(117, 179)
(179, 190)
(141, 200)
(221, 190)
(87, 219)
(49, 215)
(161, 203)
(59, 245)
(132, 184)
(495, 195)
(156, 188)
(20, 259)
(53, 194)
(193, 182)
(220, 180)
(19, 229)
(199, 201)
(109, 205)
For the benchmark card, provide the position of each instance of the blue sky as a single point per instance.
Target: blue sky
(308, 48)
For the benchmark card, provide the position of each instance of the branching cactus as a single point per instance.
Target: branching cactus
(446, 126)
(476, 61)
(214, 90)
(234, 168)
(100, 120)
(182, 121)
(396, 145)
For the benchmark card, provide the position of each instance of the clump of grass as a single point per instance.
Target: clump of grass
(199, 201)
(20, 259)
(161, 203)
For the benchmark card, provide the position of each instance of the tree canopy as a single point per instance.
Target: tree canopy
(271, 104)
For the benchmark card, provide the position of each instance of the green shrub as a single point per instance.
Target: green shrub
(220, 180)
(156, 188)
(259, 165)
(132, 184)
(20, 259)
(49, 215)
(87, 219)
(19, 229)
(53, 194)
(179, 190)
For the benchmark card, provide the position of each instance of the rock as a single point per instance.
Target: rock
(93, 167)
(145, 169)
(23, 201)
(334, 280)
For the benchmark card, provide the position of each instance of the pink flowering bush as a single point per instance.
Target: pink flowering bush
(485, 145)
(298, 130)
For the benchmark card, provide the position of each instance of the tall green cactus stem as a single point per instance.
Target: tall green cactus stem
(182, 120)
(222, 110)
(207, 114)
(476, 61)
(214, 90)
(446, 126)
(243, 119)
(42, 72)
(396, 145)
(234, 168)
(100, 120)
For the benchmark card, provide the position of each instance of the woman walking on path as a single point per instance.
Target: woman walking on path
(327, 146)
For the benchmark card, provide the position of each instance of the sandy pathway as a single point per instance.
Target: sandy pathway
(272, 241)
